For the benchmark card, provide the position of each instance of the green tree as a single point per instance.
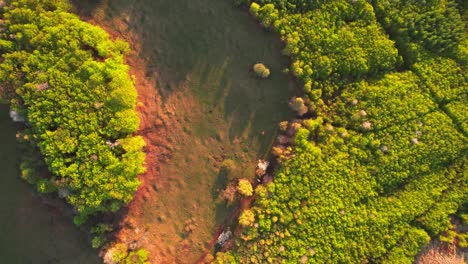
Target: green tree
(247, 218)
(244, 187)
(261, 70)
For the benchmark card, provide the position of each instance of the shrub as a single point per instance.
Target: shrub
(283, 126)
(228, 194)
(138, 257)
(225, 258)
(298, 105)
(261, 70)
(118, 252)
(98, 241)
(45, 186)
(99, 231)
(254, 8)
(228, 165)
(247, 218)
(245, 187)
(277, 151)
(28, 172)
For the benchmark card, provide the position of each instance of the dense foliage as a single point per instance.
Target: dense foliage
(380, 167)
(70, 82)
(245, 187)
(434, 24)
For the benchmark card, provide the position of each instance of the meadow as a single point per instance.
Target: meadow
(198, 56)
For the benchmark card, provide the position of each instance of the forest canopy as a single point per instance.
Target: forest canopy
(70, 82)
(377, 166)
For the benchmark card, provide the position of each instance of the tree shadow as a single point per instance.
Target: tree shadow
(222, 207)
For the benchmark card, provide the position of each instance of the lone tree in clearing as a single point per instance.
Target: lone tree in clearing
(261, 70)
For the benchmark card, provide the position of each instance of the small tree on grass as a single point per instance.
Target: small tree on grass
(247, 218)
(138, 257)
(261, 70)
(245, 187)
(229, 194)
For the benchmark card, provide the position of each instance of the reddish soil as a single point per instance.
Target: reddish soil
(162, 129)
(154, 128)
(245, 203)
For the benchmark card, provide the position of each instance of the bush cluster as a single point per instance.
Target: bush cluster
(261, 70)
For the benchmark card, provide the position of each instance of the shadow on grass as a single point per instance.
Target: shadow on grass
(87, 7)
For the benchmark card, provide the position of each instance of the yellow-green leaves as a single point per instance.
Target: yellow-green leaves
(246, 218)
(72, 84)
(245, 187)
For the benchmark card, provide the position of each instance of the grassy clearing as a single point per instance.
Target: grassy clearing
(200, 54)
